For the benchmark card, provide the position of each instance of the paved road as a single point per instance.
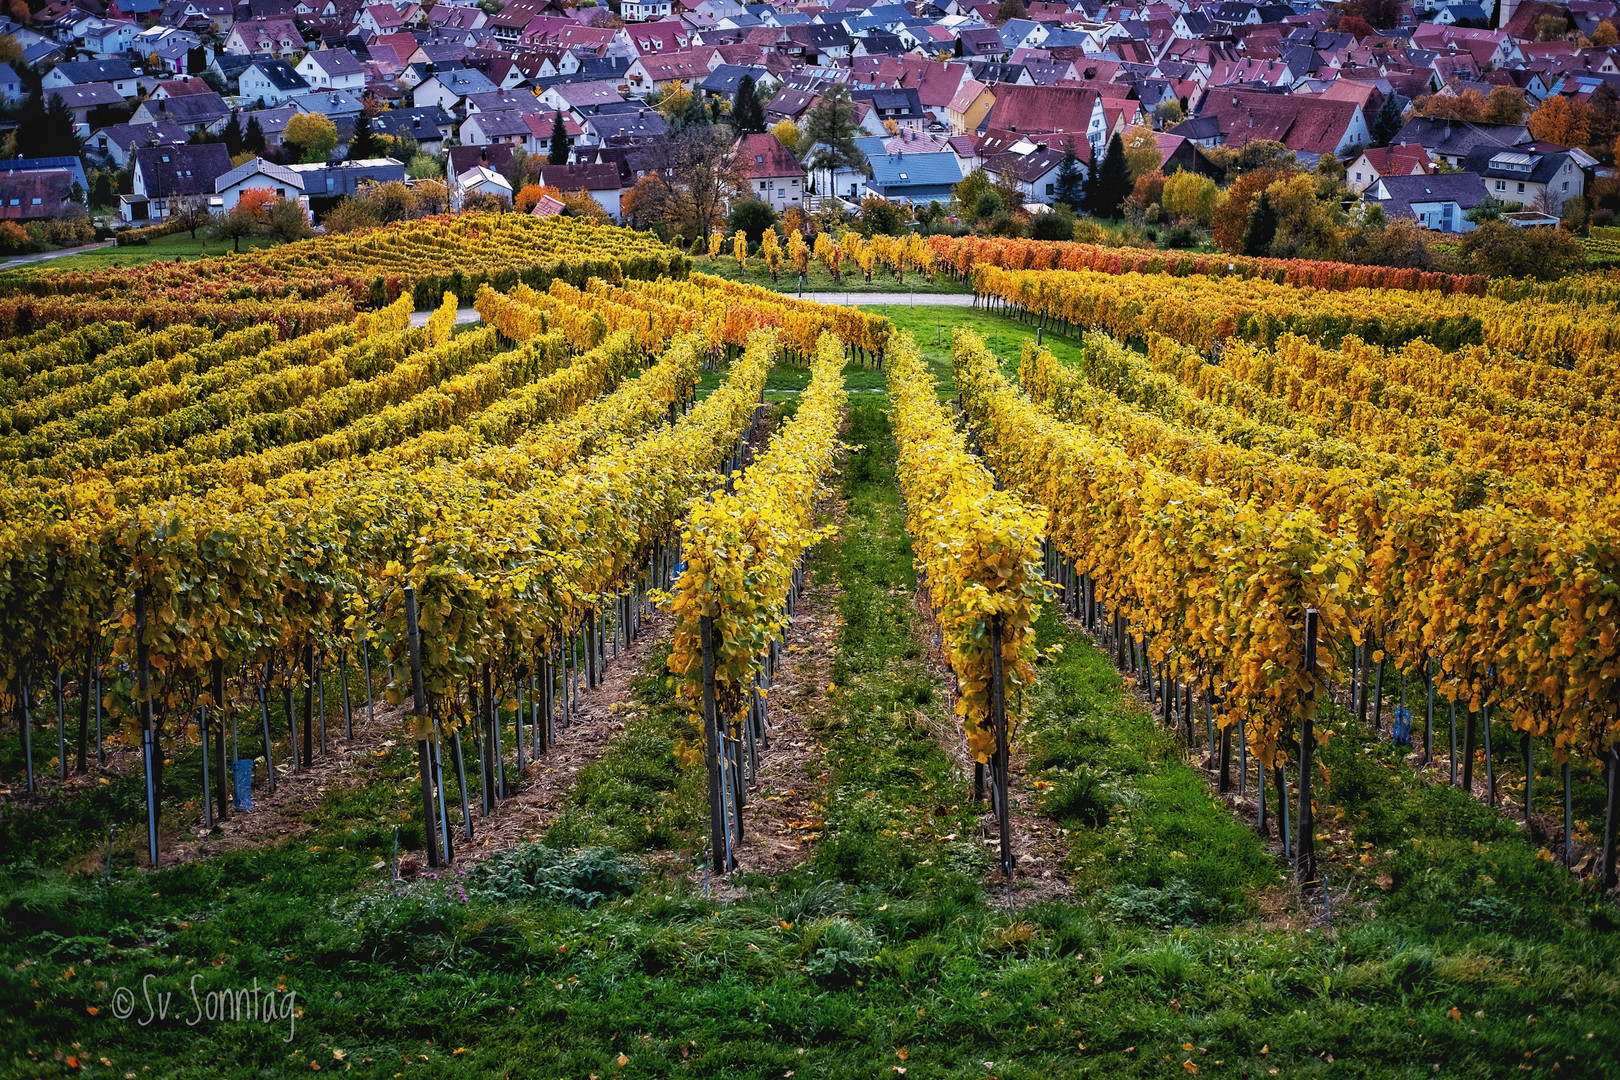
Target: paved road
(46, 256)
(463, 315)
(469, 315)
(892, 299)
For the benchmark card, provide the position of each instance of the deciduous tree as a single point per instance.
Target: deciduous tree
(1563, 121)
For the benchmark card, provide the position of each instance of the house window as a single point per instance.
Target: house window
(1501, 185)
(1566, 185)
(1358, 174)
(1521, 187)
(1051, 189)
(781, 193)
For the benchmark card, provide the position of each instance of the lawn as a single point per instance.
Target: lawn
(176, 246)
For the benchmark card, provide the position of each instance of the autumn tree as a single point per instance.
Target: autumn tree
(581, 204)
(246, 218)
(287, 220)
(530, 194)
(1562, 121)
(1230, 219)
(311, 137)
(1498, 249)
(1142, 154)
(1467, 105)
(787, 133)
(1505, 106)
(432, 197)
(1189, 197)
(1356, 27)
(1605, 35)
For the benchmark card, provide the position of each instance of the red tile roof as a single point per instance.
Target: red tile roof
(763, 156)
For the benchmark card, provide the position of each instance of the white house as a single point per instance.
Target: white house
(644, 10)
(118, 74)
(258, 173)
(447, 89)
(333, 69)
(271, 81)
(478, 180)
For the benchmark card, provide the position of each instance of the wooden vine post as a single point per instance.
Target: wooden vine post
(143, 675)
(999, 763)
(1611, 823)
(1305, 844)
(218, 673)
(719, 836)
(419, 710)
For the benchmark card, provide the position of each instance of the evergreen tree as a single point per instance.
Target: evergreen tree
(557, 154)
(60, 140)
(364, 144)
(1070, 189)
(958, 51)
(233, 134)
(1262, 228)
(1605, 125)
(31, 125)
(253, 138)
(697, 114)
(1113, 181)
(828, 141)
(747, 114)
(1388, 121)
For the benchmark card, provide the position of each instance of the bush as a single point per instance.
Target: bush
(882, 216)
(1181, 237)
(352, 215)
(1179, 903)
(1077, 800)
(1498, 249)
(14, 239)
(146, 234)
(840, 951)
(753, 218)
(1055, 224)
(535, 873)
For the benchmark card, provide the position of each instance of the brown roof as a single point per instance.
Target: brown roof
(1306, 124)
(1041, 109)
(581, 177)
(761, 156)
(51, 187)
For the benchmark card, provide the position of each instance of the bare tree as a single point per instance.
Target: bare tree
(190, 212)
(692, 199)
